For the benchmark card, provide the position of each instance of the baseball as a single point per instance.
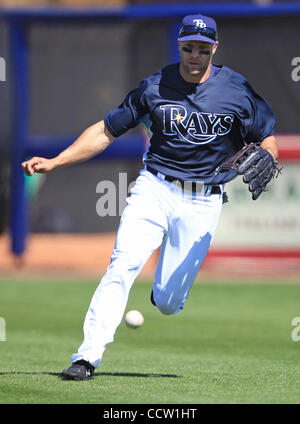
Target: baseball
(134, 319)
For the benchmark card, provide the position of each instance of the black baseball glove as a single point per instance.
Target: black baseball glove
(257, 166)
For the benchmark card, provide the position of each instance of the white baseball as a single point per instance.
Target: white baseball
(134, 319)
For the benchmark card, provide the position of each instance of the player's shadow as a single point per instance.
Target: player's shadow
(101, 374)
(133, 374)
(30, 373)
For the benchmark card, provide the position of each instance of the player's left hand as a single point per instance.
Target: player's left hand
(256, 164)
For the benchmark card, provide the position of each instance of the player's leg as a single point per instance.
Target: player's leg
(141, 231)
(183, 251)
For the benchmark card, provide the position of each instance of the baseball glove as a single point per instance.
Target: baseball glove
(257, 166)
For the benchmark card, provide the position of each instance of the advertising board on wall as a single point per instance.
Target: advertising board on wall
(271, 221)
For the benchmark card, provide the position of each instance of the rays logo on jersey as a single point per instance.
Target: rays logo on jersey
(195, 127)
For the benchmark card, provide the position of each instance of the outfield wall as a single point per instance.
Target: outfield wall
(67, 68)
(272, 222)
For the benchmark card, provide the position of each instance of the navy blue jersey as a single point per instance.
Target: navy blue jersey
(194, 127)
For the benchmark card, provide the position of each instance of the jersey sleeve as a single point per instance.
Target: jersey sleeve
(259, 121)
(129, 113)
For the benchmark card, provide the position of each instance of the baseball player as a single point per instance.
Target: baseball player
(198, 115)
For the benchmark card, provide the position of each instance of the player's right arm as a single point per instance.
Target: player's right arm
(91, 142)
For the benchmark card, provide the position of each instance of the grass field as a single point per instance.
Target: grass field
(231, 344)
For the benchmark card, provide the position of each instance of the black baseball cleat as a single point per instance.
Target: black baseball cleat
(152, 299)
(79, 370)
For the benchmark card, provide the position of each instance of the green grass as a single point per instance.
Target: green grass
(231, 344)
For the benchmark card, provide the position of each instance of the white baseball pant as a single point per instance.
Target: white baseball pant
(157, 214)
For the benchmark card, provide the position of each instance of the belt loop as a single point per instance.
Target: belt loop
(161, 176)
(208, 190)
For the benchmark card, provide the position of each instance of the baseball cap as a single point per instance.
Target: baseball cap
(198, 28)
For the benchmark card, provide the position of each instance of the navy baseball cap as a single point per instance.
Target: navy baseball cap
(198, 28)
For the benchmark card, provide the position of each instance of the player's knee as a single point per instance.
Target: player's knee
(167, 304)
(167, 310)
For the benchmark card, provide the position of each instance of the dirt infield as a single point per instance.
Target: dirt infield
(85, 254)
(71, 253)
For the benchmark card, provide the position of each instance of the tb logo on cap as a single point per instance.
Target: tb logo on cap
(199, 23)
